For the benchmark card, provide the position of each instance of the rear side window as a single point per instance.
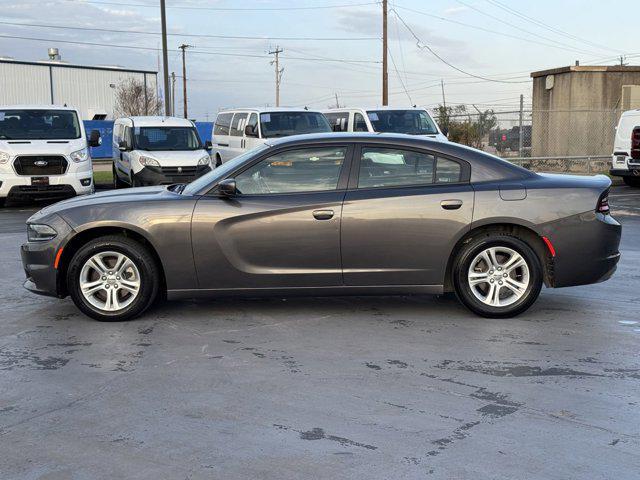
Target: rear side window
(223, 122)
(237, 124)
(339, 121)
(390, 167)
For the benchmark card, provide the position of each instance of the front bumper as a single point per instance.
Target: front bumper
(624, 172)
(148, 176)
(586, 249)
(19, 187)
(38, 260)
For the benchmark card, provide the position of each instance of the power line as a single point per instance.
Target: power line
(404, 87)
(423, 46)
(195, 35)
(546, 26)
(226, 9)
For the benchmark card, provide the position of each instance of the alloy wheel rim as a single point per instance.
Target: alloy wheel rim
(110, 281)
(498, 276)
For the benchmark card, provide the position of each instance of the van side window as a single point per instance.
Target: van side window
(253, 123)
(359, 124)
(237, 123)
(339, 121)
(223, 122)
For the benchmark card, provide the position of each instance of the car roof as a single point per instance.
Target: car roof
(386, 107)
(37, 107)
(158, 121)
(268, 110)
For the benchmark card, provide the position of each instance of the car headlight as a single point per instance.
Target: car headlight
(148, 162)
(204, 161)
(4, 158)
(39, 232)
(80, 155)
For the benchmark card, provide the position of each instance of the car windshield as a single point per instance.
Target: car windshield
(411, 122)
(220, 172)
(39, 125)
(283, 124)
(166, 138)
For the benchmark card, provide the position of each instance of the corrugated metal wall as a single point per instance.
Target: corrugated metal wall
(84, 88)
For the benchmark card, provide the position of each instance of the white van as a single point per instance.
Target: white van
(625, 162)
(236, 131)
(411, 121)
(44, 153)
(157, 151)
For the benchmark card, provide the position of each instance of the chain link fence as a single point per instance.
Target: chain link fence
(568, 141)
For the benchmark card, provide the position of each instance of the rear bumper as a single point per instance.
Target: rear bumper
(154, 176)
(586, 249)
(623, 172)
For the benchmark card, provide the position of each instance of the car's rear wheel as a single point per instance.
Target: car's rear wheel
(497, 275)
(113, 278)
(632, 181)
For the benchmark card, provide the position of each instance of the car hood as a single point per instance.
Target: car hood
(128, 195)
(41, 147)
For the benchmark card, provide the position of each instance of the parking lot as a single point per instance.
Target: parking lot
(362, 387)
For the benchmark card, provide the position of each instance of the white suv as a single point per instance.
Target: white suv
(625, 162)
(411, 121)
(44, 153)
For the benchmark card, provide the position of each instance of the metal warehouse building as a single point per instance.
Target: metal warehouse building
(92, 90)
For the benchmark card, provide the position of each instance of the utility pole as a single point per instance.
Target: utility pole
(385, 69)
(165, 57)
(184, 47)
(444, 99)
(173, 94)
(279, 71)
(520, 139)
(337, 102)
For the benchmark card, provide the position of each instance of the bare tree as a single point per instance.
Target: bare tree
(133, 99)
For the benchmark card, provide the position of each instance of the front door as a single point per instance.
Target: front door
(402, 215)
(282, 229)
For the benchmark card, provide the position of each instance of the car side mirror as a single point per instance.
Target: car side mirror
(123, 146)
(94, 139)
(445, 131)
(227, 187)
(249, 131)
(208, 146)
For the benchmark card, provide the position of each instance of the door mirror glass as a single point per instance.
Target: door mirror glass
(227, 187)
(249, 131)
(123, 146)
(208, 145)
(94, 139)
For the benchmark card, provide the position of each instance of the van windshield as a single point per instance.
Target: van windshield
(166, 138)
(39, 125)
(411, 122)
(283, 124)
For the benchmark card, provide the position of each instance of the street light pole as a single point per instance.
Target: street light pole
(385, 67)
(165, 59)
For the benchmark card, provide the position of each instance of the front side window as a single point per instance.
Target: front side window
(39, 125)
(390, 167)
(166, 138)
(359, 124)
(411, 122)
(223, 123)
(339, 121)
(237, 124)
(303, 170)
(253, 123)
(283, 124)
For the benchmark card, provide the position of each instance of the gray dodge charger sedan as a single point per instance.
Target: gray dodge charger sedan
(330, 214)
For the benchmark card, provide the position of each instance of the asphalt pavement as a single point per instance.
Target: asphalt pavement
(362, 387)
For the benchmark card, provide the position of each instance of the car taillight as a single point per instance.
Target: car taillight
(635, 143)
(603, 203)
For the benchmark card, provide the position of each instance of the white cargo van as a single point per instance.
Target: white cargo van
(157, 151)
(411, 121)
(625, 162)
(236, 131)
(44, 153)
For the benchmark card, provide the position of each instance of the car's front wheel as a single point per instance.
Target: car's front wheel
(497, 275)
(113, 278)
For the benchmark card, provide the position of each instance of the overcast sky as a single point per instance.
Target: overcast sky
(495, 39)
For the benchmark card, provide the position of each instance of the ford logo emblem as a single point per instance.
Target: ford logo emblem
(41, 163)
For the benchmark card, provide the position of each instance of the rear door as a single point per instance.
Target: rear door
(282, 229)
(236, 134)
(220, 137)
(403, 213)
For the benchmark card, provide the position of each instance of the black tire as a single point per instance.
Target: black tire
(145, 263)
(473, 248)
(632, 181)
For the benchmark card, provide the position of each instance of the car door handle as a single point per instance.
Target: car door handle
(451, 204)
(323, 214)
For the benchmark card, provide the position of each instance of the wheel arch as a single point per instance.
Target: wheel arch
(525, 233)
(83, 236)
